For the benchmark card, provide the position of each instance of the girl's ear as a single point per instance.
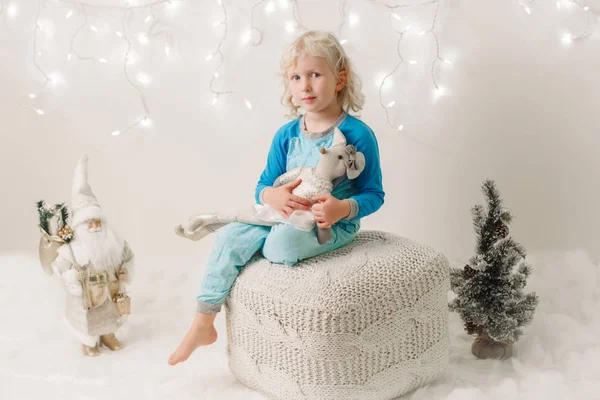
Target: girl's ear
(343, 79)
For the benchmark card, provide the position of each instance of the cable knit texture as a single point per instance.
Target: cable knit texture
(367, 321)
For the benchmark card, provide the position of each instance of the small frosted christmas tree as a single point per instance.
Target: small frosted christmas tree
(490, 298)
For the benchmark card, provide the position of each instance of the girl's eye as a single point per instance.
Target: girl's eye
(316, 74)
(295, 77)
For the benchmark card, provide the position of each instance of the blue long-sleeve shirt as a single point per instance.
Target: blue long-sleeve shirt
(293, 147)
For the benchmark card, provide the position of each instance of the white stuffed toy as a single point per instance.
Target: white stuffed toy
(334, 162)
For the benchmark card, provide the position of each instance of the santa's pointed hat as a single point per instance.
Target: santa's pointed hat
(84, 204)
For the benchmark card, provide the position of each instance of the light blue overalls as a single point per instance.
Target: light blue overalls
(237, 242)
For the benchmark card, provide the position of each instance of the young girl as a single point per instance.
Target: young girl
(319, 78)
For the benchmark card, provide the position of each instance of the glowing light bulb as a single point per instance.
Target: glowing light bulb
(401, 127)
(119, 33)
(173, 5)
(103, 60)
(290, 26)
(382, 82)
(247, 36)
(116, 133)
(12, 11)
(93, 28)
(143, 78)
(32, 96)
(40, 112)
(412, 62)
(146, 122)
(567, 38)
(56, 78)
(391, 104)
(353, 19)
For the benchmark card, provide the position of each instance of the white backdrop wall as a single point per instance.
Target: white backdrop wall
(521, 107)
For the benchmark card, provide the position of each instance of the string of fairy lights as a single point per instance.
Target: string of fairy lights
(592, 17)
(395, 19)
(158, 9)
(36, 53)
(590, 14)
(218, 93)
(81, 8)
(253, 34)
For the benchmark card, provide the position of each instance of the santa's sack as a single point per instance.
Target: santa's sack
(48, 250)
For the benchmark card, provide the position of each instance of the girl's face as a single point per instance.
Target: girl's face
(313, 84)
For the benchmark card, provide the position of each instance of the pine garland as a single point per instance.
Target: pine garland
(60, 209)
(64, 214)
(44, 214)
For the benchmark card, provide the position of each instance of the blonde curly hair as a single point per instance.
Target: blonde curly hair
(322, 44)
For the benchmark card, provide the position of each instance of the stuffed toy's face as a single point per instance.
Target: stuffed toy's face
(339, 160)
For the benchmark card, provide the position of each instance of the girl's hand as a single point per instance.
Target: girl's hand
(329, 210)
(282, 199)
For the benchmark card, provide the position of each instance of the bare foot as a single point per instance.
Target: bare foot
(201, 333)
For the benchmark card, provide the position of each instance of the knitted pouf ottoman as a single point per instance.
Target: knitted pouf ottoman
(367, 321)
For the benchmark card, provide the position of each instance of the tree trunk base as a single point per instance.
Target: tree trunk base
(485, 347)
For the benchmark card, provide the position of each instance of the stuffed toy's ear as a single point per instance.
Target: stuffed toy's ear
(338, 138)
(356, 162)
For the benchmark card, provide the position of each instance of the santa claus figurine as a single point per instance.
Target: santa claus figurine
(94, 268)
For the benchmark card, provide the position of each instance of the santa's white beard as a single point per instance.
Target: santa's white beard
(102, 248)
